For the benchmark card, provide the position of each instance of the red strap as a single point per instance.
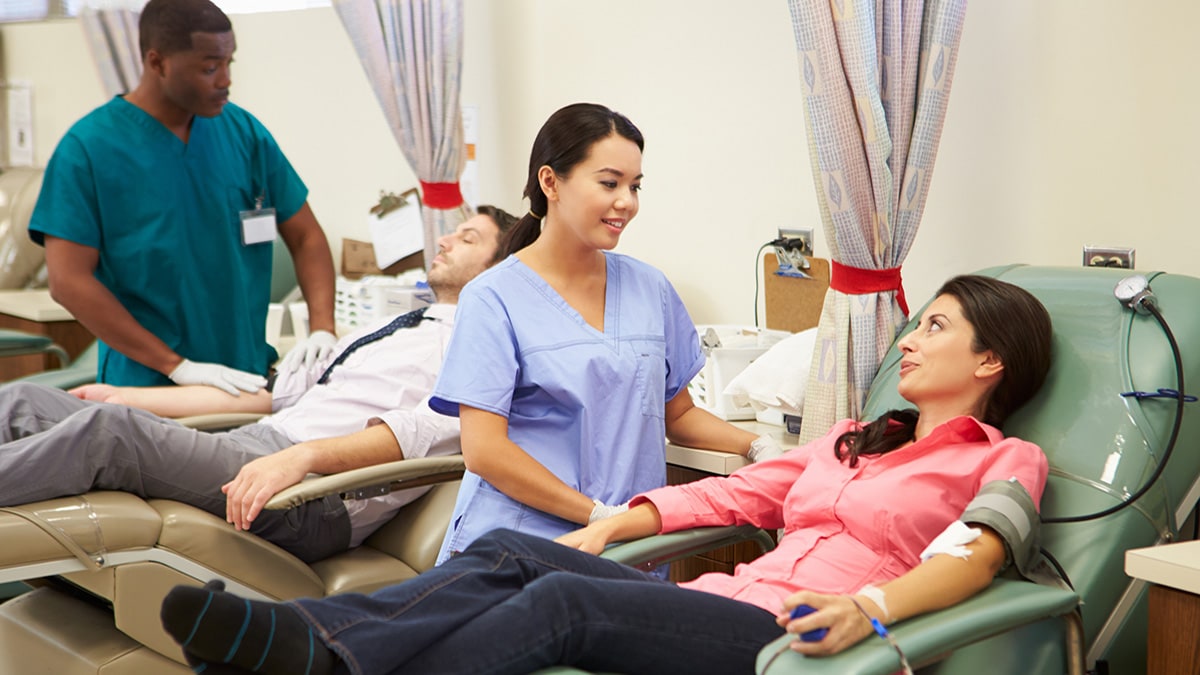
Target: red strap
(856, 281)
(441, 195)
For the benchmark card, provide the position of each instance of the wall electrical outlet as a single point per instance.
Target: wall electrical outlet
(1108, 256)
(803, 234)
(792, 252)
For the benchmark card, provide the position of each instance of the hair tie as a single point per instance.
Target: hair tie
(535, 216)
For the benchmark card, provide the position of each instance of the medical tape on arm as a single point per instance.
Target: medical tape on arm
(952, 541)
(1006, 507)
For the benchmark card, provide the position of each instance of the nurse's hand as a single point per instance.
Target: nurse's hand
(317, 346)
(228, 380)
(763, 448)
(601, 510)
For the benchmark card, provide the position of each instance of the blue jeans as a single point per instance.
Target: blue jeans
(513, 603)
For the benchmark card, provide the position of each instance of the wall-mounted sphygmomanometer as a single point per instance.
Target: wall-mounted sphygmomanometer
(1134, 292)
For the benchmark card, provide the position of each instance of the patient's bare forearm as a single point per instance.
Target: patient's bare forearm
(373, 445)
(178, 401)
(640, 521)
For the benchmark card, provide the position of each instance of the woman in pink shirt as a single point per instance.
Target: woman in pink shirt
(858, 507)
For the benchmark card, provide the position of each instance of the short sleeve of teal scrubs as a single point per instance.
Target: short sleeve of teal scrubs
(164, 218)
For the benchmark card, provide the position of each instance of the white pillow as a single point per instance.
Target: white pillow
(778, 378)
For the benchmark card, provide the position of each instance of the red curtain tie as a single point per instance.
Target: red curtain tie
(857, 281)
(441, 195)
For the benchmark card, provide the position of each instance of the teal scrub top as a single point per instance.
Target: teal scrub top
(164, 216)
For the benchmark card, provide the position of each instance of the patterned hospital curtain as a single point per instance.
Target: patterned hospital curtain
(876, 76)
(112, 37)
(412, 53)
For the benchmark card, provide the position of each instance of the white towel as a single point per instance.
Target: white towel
(778, 378)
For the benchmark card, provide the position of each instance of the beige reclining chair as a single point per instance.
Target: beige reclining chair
(102, 562)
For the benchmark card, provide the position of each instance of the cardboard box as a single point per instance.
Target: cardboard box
(358, 260)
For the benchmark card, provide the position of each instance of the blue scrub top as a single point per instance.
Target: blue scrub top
(164, 216)
(589, 406)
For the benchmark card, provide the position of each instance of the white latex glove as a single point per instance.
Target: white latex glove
(601, 510)
(763, 448)
(317, 346)
(226, 379)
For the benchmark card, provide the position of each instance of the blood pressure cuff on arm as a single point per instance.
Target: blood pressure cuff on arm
(1006, 507)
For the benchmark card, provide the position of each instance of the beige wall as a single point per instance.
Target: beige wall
(1065, 127)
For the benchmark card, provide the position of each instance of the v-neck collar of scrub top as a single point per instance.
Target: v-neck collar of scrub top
(164, 136)
(612, 295)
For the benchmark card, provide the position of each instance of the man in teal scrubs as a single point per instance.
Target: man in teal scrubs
(159, 211)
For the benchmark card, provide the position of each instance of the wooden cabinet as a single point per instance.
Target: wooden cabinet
(718, 560)
(34, 312)
(1173, 629)
(1173, 639)
(685, 465)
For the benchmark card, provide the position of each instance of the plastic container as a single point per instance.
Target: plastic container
(739, 346)
(361, 301)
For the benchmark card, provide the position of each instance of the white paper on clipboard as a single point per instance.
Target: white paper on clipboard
(397, 234)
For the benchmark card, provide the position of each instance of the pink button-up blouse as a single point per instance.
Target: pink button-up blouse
(842, 527)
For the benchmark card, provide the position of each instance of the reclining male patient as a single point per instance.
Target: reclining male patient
(362, 405)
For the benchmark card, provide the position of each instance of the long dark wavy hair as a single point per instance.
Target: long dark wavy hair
(1010, 322)
(563, 142)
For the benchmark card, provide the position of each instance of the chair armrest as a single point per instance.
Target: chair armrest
(660, 549)
(1002, 606)
(63, 378)
(219, 421)
(372, 481)
(16, 342)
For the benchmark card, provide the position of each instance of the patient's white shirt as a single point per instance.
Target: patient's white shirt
(386, 381)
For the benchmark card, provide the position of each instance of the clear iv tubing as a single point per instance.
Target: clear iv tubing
(1162, 464)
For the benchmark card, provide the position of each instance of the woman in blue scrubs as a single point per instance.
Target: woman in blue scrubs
(569, 364)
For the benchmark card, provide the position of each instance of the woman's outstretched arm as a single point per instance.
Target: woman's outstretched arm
(640, 521)
(180, 401)
(939, 582)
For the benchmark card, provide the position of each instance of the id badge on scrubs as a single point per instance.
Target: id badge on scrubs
(258, 226)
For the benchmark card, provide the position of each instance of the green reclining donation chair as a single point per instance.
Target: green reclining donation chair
(1103, 447)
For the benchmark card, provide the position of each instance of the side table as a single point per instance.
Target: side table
(1173, 631)
(33, 311)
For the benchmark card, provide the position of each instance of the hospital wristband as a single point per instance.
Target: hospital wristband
(876, 595)
(882, 632)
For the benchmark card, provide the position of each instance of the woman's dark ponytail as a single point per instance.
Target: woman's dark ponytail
(524, 233)
(889, 431)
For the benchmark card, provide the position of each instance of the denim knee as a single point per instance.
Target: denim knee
(510, 541)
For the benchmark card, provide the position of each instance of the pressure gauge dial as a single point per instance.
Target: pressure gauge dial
(1134, 292)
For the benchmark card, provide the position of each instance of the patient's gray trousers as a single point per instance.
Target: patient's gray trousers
(53, 444)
